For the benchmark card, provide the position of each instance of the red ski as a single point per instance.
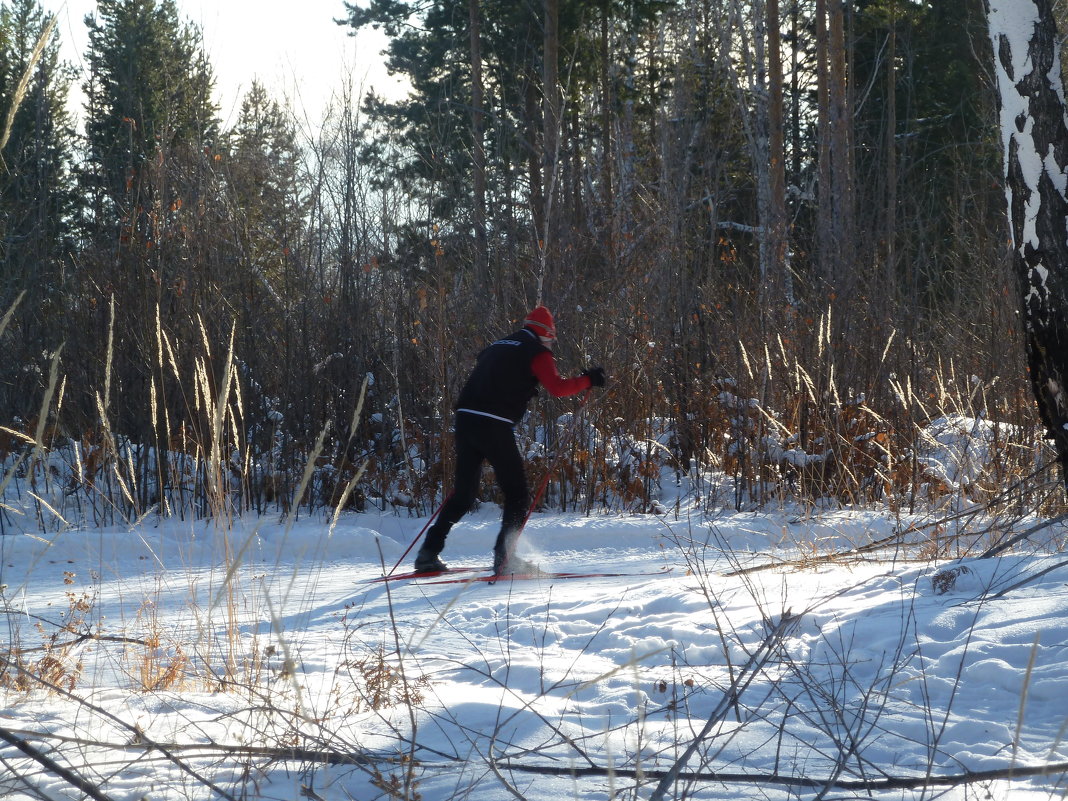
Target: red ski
(542, 574)
(415, 574)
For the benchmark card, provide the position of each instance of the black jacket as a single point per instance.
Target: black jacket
(502, 383)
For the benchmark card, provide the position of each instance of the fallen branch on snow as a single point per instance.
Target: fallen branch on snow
(331, 757)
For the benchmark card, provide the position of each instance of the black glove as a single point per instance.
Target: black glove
(596, 375)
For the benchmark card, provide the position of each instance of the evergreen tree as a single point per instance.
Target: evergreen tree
(149, 96)
(37, 202)
(532, 142)
(924, 139)
(263, 167)
(154, 248)
(269, 216)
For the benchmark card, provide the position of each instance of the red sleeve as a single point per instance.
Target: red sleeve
(544, 368)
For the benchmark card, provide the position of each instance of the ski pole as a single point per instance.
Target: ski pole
(571, 433)
(419, 536)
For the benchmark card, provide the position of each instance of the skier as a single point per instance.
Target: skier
(492, 401)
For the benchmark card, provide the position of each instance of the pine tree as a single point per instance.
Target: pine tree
(149, 96)
(923, 139)
(37, 203)
(154, 246)
(263, 167)
(481, 130)
(269, 214)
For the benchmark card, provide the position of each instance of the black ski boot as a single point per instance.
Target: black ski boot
(504, 550)
(500, 562)
(427, 561)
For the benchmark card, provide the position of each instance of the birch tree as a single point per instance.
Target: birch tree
(1034, 134)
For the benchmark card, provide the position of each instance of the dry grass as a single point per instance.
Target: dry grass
(58, 660)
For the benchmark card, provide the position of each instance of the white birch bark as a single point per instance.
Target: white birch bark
(1034, 134)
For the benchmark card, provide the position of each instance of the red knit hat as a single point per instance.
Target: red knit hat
(540, 320)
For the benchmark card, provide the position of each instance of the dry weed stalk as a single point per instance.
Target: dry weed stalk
(57, 661)
(156, 666)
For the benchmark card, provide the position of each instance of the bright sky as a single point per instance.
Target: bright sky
(292, 46)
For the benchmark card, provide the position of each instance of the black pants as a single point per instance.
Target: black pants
(479, 439)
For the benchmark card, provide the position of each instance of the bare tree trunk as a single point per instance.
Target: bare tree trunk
(795, 89)
(478, 151)
(836, 217)
(551, 80)
(764, 131)
(550, 135)
(1035, 139)
(537, 195)
(890, 224)
(841, 122)
(776, 216)
(756, 125)
(607, 188)
(825, 211)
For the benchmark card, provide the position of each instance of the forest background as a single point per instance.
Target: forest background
(780, 225)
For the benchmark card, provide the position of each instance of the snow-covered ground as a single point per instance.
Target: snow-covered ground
(261, 662)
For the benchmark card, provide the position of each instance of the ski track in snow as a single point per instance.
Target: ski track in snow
(608, 671)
